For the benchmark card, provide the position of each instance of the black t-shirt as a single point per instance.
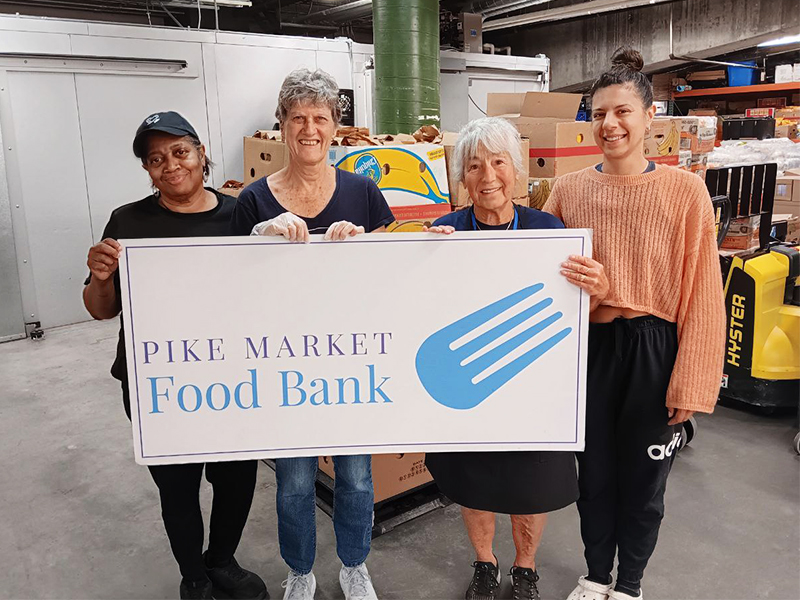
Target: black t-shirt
(356, 199)
(148, 219)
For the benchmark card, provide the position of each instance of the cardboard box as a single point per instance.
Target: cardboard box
(743, 233)
(232, 188)
(412, 177)
(539, 191)
(784, 187)
(662, 143)
(765, 111)
(786, 131)
(775, 102)
(392, 474)
(698, 133)
(786, 207)
(263, 156)
(793, 229)
(459, 197)
(558, 143)
(790, 112)
(685, 160)
(699, 164)
(783, 73)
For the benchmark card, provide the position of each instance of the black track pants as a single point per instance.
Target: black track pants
(179, 487)
(629, 446)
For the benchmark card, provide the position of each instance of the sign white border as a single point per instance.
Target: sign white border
(132, 250)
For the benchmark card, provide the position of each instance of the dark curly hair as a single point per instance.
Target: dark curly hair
(626, 69)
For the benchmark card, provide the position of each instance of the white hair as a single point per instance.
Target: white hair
(494, 135)
(316, 87)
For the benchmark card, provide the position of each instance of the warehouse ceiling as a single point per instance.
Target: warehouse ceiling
(324, 18)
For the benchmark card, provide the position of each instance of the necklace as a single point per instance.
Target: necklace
(478, 225)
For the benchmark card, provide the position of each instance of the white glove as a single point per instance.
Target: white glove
(289, 225)
(341, 230)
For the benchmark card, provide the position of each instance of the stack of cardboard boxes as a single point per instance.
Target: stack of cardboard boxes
(413, 171)
(683, 142)
(412, 174)
(557, 143)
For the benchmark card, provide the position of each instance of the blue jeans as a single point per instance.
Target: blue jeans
(352, 510)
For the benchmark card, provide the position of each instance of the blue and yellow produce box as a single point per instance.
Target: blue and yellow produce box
(412, 177)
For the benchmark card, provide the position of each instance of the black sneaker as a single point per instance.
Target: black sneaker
(236, 582)
(523, 582)
(485, 581)
(196, 590)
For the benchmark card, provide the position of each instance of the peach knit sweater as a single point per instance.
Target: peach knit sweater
(655, 235)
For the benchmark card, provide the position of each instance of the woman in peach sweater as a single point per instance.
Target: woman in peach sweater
(656, 342)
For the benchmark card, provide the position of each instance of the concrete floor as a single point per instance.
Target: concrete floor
(79, 519)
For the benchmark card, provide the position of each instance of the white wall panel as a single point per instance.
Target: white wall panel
(111, 109)
(26, 41)
(337, 64)
(138, 48)
(53, 190)
(248, 81)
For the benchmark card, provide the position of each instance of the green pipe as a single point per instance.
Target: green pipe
(406, 40)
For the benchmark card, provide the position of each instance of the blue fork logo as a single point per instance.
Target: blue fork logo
(449, 375)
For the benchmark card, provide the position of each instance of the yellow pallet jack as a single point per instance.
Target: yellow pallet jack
(762, 297)
(762, 355)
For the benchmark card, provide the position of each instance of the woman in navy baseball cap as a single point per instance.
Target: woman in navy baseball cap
(181, 206)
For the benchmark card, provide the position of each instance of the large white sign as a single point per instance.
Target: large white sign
(386, 343)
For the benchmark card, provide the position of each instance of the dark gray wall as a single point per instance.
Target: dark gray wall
(579, 50)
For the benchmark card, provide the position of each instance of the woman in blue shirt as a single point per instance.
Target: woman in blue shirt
(310, 196)
(524, 485)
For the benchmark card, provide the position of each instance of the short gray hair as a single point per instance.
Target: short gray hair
(315, 87)
(496, 135)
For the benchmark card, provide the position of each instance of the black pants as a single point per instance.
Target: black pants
(629, 446)
(179, 486)
(234, 484)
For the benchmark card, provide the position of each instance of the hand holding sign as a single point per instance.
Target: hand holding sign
(103, 259)
(289, 225)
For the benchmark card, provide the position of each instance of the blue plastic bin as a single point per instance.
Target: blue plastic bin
(739, 76)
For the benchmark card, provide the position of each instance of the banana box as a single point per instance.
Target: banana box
(663, 143)
(412, 177)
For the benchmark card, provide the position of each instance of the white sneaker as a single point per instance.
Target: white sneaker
(589, 590)
(617, 595)
(356, 583)
(299, 587)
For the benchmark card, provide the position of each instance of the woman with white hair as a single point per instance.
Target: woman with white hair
(310, 196)
(524, 485)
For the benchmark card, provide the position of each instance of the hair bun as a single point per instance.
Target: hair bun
(627, 57)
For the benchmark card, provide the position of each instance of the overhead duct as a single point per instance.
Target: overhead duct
(586, 9)
(406, 40)
(337, 10)
(500, 8)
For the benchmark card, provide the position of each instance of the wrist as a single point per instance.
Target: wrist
(103, 286)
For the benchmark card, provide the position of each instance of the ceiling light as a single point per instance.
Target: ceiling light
(789, 39)
(210, 3)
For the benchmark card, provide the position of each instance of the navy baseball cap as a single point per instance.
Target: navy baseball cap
(168, 122)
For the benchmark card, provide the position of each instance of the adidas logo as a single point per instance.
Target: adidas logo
(657, 452)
